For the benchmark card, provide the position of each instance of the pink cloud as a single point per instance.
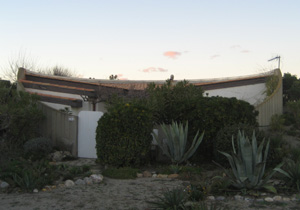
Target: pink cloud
(162, 70)
(214, 56)
(245, 51)
(154, 69)
(172, 54)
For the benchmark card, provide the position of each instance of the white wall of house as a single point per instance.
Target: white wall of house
(254, 94)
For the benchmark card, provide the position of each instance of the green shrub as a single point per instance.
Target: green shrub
(184, 102)
(123, 135)
(121, 173)
(28, 175)
(19, 116)
(37, 148)
(277, 123)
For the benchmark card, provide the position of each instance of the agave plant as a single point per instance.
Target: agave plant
(248, 164)
(176, 140)
(292, 172)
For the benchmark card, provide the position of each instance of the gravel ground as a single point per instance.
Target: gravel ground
(111, 194)
(116, 194)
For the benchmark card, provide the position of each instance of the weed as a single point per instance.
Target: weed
(172, 199)
(121, 173)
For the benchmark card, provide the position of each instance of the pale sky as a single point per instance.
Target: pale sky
(152, 39)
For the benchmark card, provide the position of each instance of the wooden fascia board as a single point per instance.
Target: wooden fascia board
(73, 102)
(58, 88)
(232, 83)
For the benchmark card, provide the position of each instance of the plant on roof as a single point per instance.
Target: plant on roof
(248, 163)
(176, 142)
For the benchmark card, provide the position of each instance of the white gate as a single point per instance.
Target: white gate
(87, 124)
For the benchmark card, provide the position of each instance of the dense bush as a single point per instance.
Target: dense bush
(123, 135)
(184, 102)
(19, 115)
(37, 148)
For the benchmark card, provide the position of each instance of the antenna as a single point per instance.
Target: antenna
(276, 58)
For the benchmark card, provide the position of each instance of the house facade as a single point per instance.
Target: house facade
(80, 96)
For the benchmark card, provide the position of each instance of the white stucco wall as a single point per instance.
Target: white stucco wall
(254, 94)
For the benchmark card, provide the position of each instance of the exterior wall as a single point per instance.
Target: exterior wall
(272, 105)
(254, 94)
(61, 128)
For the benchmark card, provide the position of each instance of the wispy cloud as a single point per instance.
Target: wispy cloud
(154, 69)
(121, 77)
(215, 56)
(172, 54)
(236, 46)
(245, 51)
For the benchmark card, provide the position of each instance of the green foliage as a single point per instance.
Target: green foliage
(175, 169)
(173, 102)
(196, 192)
(123, 135)
(121, 173)
(172, 199)
(271, 84)
(19, 116)
(248, 163)
(292, 172)
(223, 141)
(277, 123)
(37, 148)
(291, 87)
(29, 175)
(294, 108)
(176, 140)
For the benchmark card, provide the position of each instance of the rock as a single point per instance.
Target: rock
(57, 156)
(211, 198)
(268, 199)
(248, 199)
(260, 200)
(79, 182)
(286, 199)
(263, 194)
(96, 178)
(4, 185)
(154, 175)
(220, 198)
(277, 198)
(173, 176)
(69, 183)
(61, 155)
(162, 176)
(139, 175)
(35, 191)
(147, 174)
(88, 180)
(238, 198)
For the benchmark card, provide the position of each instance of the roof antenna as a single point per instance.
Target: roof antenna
(278, 58)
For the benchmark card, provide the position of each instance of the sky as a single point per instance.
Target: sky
(152, 39)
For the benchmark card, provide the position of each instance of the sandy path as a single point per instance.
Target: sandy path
(111, 194)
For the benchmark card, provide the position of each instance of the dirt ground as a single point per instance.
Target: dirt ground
(114, 194)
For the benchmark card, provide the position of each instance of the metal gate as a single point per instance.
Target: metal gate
(87, 124)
